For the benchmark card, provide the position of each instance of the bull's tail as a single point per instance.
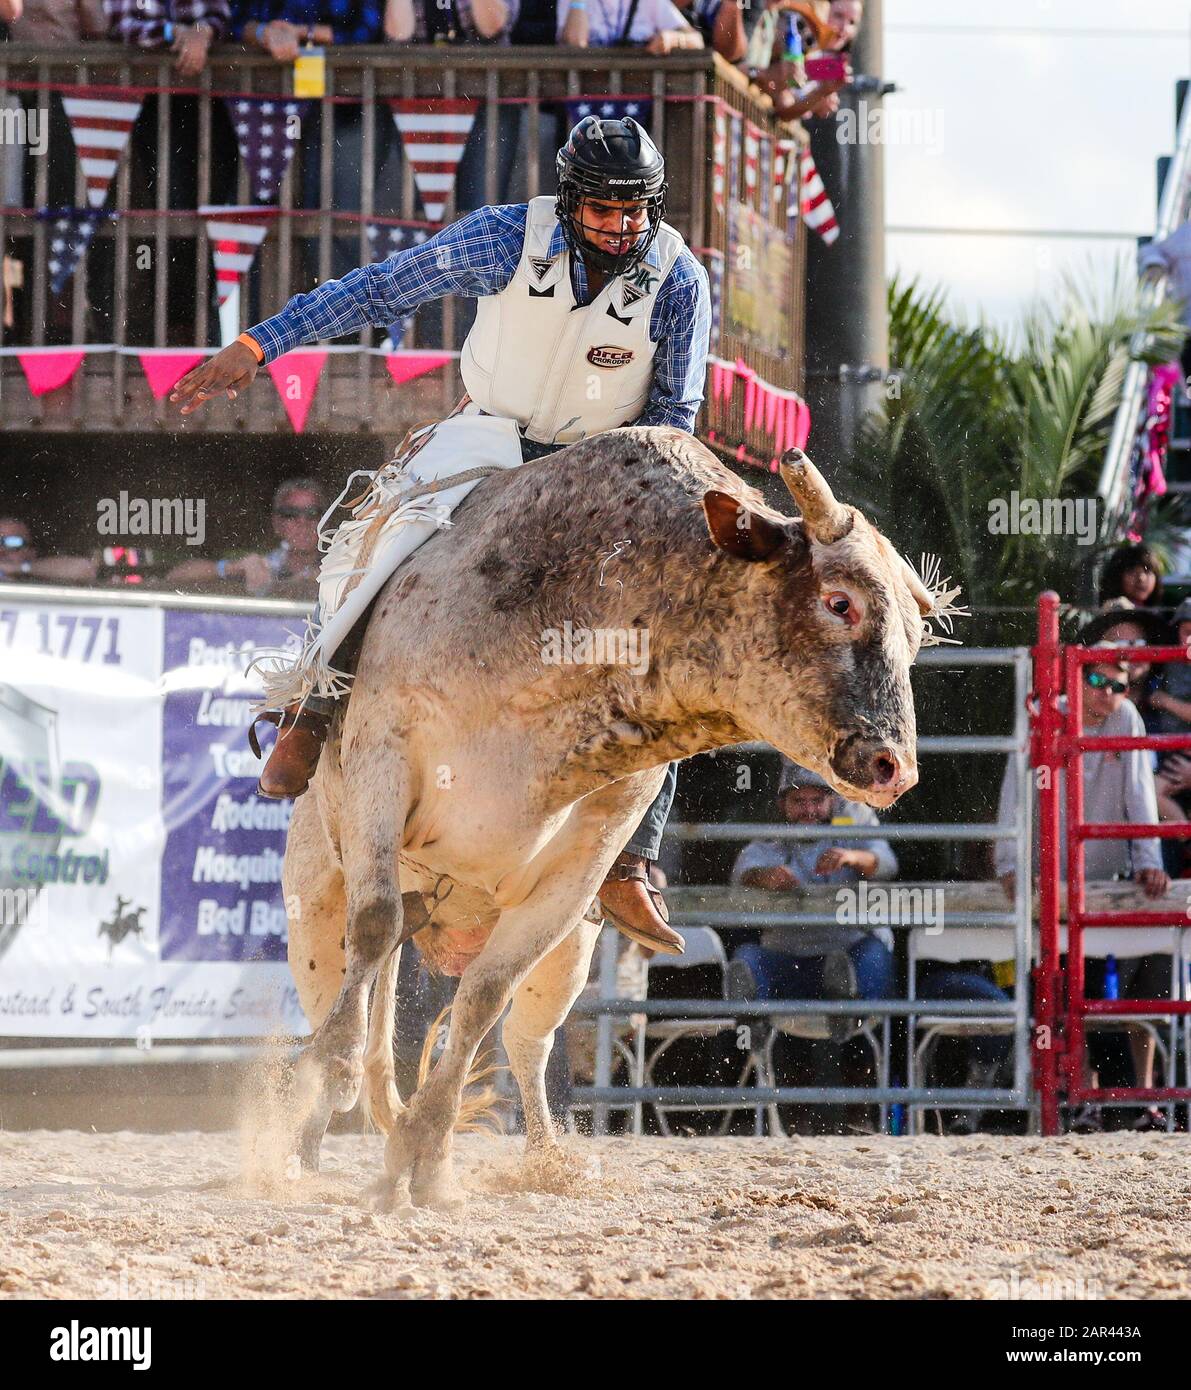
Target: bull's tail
(479, 1105)
(381, 1096)
(479, 1108)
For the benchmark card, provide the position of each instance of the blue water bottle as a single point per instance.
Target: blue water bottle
(1112, 983)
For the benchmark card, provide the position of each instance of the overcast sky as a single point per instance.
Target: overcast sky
(1051, 114)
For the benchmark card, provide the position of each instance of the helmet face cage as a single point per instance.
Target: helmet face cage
(641, 179)
(571, 195)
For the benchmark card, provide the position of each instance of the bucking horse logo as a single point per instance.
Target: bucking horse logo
(123, 924)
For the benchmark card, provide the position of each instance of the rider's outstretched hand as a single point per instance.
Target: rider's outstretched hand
(230, 370)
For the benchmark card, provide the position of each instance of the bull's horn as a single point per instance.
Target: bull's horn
(922, 595)
(826, 519)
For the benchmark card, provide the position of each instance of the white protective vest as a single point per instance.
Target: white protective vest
(559, 371)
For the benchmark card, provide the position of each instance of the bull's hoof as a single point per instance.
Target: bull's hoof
(390, 1197)
(310, 1142)
(434, 1186)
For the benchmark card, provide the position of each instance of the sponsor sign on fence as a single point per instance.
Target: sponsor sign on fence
(140, 874)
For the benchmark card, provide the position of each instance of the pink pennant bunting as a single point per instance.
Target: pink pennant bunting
(405, 366)
(718, 374)
(165, 369)
(750, 402)
(771, 399)
(802, 428)
(791, 431)
(296, 377)
(47, 371)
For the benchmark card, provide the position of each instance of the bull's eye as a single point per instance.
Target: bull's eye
(839, 605)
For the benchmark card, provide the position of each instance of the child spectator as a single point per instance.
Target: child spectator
(1133, 572)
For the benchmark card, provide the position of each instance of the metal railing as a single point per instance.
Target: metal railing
(1115, 475)
(603, 1096)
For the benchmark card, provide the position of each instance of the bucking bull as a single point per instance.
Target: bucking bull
(475, 776)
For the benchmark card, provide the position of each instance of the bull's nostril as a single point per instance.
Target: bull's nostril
(884, 769)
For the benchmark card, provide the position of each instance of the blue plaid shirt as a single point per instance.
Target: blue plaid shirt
(477, 256)
(351, 21)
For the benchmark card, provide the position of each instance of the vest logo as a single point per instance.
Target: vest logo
(541, 264)
(609, 356)
(643, 279)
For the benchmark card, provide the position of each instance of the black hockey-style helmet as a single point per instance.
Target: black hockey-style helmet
(618, 161)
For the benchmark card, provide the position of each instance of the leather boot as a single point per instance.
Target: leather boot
(635, 907)
(291, 765)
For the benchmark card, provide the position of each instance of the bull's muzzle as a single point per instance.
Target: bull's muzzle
(876, 769)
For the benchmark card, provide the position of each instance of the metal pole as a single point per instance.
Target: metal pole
(846, 315)
(1045, 758)
(1022, 895)
(609, 944)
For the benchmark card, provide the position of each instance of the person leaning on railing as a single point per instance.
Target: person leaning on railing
(289, 570)
(783, 35)
(466, 22)
(186, 27)
(51, 22)
(657, 25)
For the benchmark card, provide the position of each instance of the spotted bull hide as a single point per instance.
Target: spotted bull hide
(525, 678)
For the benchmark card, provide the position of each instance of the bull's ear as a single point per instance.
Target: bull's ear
(740, 531)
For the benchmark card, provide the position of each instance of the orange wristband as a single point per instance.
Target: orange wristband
(250, 342)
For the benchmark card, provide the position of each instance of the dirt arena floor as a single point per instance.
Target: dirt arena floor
(170, 1216)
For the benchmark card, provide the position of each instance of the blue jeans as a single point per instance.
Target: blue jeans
(780, 975)
(647, 838)
(967, 984)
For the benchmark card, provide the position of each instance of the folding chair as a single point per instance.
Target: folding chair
(948, 947)
(703, 947)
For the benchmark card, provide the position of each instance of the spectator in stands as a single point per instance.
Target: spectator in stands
(657, 25)
(290, 569)
(1133, 572)
(1172, 257)
(50, 22)
(834, 962)
(782, 36)
(721, 22)
(1118, 788)
(282, 28)
(537, 22)
(467, 22)
(21, 559)
(1121, 624)
(46, 23)
(186, 27)
(1171, 699)
(488, 22)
